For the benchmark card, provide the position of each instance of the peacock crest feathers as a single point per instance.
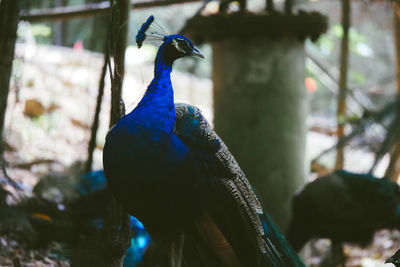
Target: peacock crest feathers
(150, 31)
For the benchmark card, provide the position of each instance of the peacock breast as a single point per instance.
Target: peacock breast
(151, 167)
(151, 153)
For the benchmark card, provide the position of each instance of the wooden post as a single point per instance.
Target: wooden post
(393, 170)
(341, 106)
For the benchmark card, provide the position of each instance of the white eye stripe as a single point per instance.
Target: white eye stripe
(184, 43)
(176, 44)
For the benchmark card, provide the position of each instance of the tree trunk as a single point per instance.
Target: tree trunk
(260, 111)
(341, 106)
(393, 170)
(9, 16)
(120, 32)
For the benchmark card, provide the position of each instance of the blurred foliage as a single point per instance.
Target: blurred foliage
(371, 77)
(42, 33)
(371, 44)
(41, 30)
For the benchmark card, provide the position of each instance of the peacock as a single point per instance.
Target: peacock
(345, 207)
(168, 168)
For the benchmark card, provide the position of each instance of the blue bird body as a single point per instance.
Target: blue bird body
(169, 169)
(143, 152)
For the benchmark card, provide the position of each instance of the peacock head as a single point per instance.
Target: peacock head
(172, 47)
(177, 46)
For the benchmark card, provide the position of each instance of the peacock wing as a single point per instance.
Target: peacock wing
(253, 231)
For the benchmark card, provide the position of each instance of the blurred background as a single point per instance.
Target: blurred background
(308, 88)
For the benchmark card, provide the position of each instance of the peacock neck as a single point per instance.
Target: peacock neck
(162, 68)
(156, 110)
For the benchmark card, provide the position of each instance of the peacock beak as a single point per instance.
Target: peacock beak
(196, 52)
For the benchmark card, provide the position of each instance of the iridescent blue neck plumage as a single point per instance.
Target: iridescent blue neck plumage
(156, 109)
(162, 68)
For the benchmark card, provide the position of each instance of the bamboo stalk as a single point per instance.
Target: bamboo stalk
(341, 106)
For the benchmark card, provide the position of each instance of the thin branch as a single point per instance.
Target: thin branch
(95, 125)
(28, 165)
(350, 91)
(10, 181)
(363, 124)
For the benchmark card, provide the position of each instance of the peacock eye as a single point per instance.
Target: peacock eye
(184, 45)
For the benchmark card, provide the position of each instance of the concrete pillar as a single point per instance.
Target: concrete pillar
(260, 112)
(259, 96)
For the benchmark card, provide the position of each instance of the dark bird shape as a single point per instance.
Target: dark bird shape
(175, 175)
(395, 259)
(78, 223)
(345, 207)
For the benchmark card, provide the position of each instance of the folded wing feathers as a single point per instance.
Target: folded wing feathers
(241, 190)
(234, 181)
(248, 213)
